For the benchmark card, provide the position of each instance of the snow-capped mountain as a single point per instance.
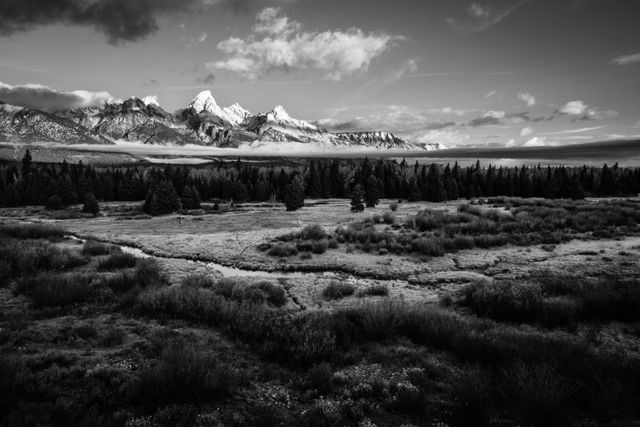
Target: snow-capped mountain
(27, 125)
(202, 122)
(234, 115)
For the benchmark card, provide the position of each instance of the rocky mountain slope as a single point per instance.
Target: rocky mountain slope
(26, 125)
(202, 122)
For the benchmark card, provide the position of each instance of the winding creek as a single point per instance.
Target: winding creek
(230, 271)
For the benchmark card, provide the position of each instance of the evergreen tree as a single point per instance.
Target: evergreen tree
(356, 199)
(372, 192)
(294, 194)
(91, 205)
(190, 198)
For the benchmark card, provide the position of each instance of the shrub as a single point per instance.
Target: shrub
(374, 290)
(319, 246)
(93, 248)
(429, 247)
(185, 372)
(149, 273)
(198, 281)
(320, 378)
(503, 300)
(57, 290)
(393, 207)
(337, 290)
(117, 261)
(275, 294)
(32, 231)
(283, 250)
(121, 282)
(312, 232)
(333, 243)
(537, 394)
(305, 246)
(388, 218)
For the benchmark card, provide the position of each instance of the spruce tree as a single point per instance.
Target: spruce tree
(91, 205)
(356, 199)
(294, 194)
(190, 198)
(372, 192)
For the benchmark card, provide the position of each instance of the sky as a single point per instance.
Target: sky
(458, 72)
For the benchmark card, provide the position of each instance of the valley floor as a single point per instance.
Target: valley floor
(409, 380)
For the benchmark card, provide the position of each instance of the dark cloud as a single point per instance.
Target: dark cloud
(48, 99)
(209, 79)
(120, 20)
(151, 83)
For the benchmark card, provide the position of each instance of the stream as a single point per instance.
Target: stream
(230, 271)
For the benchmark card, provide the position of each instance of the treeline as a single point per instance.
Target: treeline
(29, 183)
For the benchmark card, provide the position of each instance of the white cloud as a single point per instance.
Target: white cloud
(481, 17)
(48, 99)
(490, 94)
(527, 98)
(574, 108)
(626, 59)
(584, 111)
(203, 37)
(526, 131)
(572, 131)
(279, 43)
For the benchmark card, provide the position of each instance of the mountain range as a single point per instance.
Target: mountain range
(202, 122)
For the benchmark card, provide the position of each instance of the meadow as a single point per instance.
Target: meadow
(496, 311)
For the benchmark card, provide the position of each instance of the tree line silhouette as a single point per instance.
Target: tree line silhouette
(169, 188)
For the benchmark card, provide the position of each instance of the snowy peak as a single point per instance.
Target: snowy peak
(280, 118)
(151, 100)
(204, 101)
(236, 114)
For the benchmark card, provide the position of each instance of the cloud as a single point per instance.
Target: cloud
(278, 43)
(208, 79)
(626, 59)
(48, 99)
(526, 131)
(581, 111)
(572, 131)
(119, 20)
(527, 98)
(481, 17)
(490, 94)
(500, 118)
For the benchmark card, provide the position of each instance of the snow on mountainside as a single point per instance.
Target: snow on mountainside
(135, 119)
(235, 115)
(26, 125)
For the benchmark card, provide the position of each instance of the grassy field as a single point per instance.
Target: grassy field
(497, 312)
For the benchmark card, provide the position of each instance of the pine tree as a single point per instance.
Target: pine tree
(190, 198)
(356, 199)
(372, 192)
(294, 194)
(91, 205)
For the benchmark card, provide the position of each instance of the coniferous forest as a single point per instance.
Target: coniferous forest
(167, 189)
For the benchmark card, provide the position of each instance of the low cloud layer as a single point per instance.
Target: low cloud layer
(277, 42)
(48, 99)
(480, 17)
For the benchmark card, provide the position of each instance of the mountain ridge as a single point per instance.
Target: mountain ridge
(202, 122)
